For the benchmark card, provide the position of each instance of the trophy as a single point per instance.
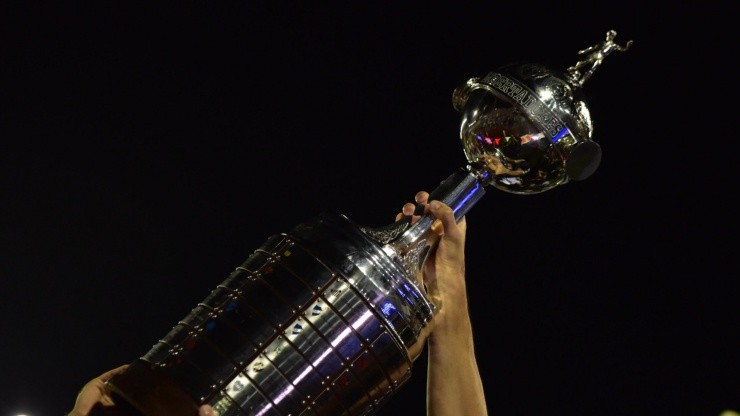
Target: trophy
(329, 317)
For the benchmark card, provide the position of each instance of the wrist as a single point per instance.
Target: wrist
(77, 411)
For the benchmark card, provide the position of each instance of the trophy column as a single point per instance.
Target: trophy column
(316, 321)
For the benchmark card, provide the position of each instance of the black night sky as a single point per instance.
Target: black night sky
(146, 150)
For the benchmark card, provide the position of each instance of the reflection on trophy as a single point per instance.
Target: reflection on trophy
(329, 317)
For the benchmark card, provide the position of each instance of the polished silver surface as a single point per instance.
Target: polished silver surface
(328, 318)
(529, 125)
(316, 321)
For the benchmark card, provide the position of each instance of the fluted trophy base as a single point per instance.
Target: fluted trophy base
(321, 320)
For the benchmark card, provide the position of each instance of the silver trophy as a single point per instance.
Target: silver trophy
(328, 318)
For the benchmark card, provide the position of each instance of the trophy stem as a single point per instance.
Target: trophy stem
(461, 190)
(411, 243)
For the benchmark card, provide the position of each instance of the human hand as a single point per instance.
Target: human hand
(444, 269)
(94, 393)
(454, 384)
(206, 410)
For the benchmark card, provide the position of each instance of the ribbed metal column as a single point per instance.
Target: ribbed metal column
(318, 321)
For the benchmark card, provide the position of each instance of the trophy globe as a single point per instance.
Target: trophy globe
(527, 127)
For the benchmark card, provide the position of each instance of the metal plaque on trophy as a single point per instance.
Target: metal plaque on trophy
(329, 317)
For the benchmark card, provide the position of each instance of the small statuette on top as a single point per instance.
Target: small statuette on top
(594, 56)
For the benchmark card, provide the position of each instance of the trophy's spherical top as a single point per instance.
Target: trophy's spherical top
(528, 127)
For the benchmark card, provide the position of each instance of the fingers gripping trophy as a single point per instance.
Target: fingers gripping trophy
(328, 318)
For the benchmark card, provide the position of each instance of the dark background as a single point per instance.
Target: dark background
(148, 149)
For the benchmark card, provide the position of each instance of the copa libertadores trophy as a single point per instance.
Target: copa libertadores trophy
(328, 318)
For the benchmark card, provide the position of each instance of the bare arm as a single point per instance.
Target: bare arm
(94, 395)
(454, 385)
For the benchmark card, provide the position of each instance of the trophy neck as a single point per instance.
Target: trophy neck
(411, 243)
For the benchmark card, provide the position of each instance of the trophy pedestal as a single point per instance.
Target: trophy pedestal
(321, 320)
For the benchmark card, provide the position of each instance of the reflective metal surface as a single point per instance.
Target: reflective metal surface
(316, 321)
(328, 318)
(529, 126)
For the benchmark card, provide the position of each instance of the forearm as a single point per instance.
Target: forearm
(454, 385)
